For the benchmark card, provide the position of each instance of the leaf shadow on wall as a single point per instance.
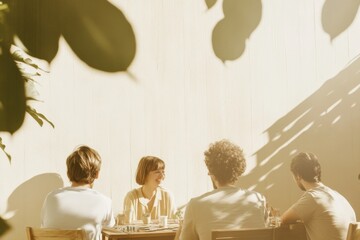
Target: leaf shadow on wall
(337, 16)
(97, 32)
(327, 123)
(26, 202)
(210, 3)
(231, 33)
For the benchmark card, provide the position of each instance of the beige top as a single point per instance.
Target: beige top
(223, 208)
(326, 213)
(135, 205)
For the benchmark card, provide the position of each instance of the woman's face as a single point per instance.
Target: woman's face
(155, 177)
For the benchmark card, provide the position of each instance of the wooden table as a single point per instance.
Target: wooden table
(110, 234)
(295, 231)
(285, 232)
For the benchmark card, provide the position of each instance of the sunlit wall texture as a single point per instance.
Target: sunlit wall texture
(274, 76)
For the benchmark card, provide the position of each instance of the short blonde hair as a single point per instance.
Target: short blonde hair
(146, 165)
(225, 161)
(83, 165)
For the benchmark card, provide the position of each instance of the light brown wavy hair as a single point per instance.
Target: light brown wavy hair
(83, 165)
(225, 161)
(146, 165)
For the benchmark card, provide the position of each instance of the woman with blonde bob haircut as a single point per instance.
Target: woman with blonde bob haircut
(150, 199)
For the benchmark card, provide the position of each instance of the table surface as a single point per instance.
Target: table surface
(292, 231)
(157, 234)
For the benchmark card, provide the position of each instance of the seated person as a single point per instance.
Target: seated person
(79, 206)
(326, 213)
(227, 206)
(150, 198)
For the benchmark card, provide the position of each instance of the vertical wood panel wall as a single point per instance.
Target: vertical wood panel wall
(292, 89)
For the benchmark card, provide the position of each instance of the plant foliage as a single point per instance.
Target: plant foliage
(97, 32)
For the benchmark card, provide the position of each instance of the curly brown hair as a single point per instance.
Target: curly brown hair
(225, 161)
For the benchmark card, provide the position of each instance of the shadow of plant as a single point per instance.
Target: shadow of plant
(337, 16)
(26, 201)
(210, 3)
(230, 34)
(328, 119)
(242, 17)
(97, 32)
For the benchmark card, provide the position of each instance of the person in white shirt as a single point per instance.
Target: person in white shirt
(79, 206)
(325, 213)
(227, 206)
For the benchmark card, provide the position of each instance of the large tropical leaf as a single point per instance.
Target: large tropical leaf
(12, 94)
(98, 33)
(35, 23)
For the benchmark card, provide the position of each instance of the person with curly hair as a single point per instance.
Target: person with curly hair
(227, 206)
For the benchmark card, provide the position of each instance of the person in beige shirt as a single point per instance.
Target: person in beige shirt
(150, 199)
(228, 206)
(325, 213)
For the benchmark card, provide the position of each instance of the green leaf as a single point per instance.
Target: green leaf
(12, 93)
(29, 79)
(3, 226)
(98, 33)
(21, 57)
(46, 119)
(2, 146)
(34, 115)
(35, 23)
(38, 116)
(4, 9)
(32, 99)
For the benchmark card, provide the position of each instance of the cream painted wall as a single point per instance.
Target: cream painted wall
(293, 89)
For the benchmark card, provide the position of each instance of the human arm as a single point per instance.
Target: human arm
(109, 220)
(43, 214)
(166, 206)
(171, 207)
(129, 208)
(289, 216)
(302, 210)
(178, 232)
(188, 228)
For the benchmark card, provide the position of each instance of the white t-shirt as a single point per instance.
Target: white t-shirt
(326, 213)
(77, 207)
(228, 207)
